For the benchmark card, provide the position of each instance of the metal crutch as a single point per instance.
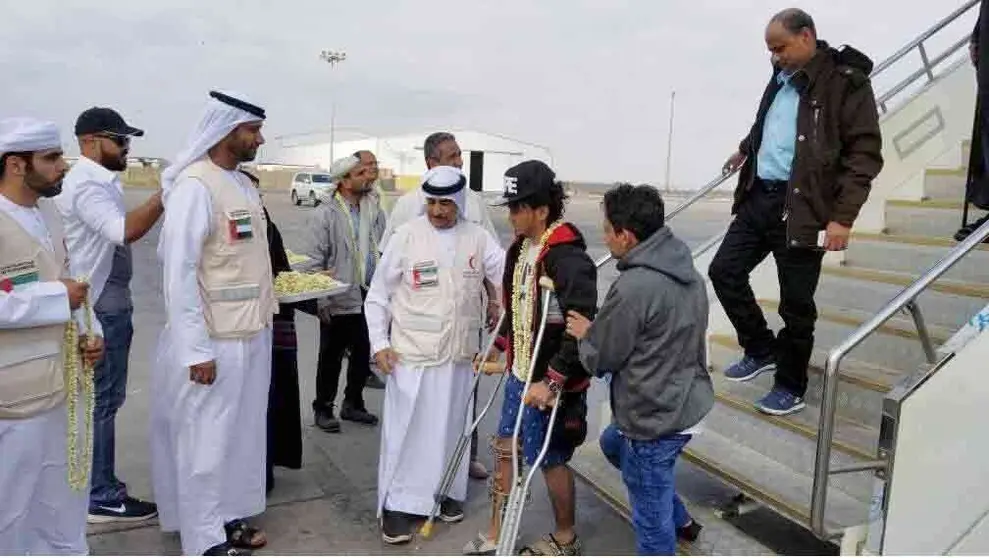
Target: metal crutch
(483, 368)
(516, 499)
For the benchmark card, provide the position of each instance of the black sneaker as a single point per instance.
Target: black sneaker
(128, 510)
(226, 549)
(396, 527)
(451, 511)
(689, 532)
(359, 415)
(325, 420)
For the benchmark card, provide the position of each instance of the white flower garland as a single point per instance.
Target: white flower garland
(524, 291)
(79, 381)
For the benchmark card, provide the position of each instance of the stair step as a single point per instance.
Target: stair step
(786, 443)
(895, 345)
(861, 388)
(718, 536)
(856, 439)
(938, 217)
(945, 183)
(946, 303)
(890, 254)
(771, 483)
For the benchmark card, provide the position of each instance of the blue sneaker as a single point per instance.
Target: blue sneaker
(780, 402)
(749, 367)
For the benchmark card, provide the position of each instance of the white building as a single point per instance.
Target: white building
(486, 156)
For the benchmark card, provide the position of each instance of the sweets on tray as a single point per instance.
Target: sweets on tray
(293, 282)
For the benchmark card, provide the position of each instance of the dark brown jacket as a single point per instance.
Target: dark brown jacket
(838, 147)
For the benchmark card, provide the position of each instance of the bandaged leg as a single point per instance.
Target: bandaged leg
(500, 485)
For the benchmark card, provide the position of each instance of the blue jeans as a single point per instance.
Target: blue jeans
(647, 470)
(111, 389)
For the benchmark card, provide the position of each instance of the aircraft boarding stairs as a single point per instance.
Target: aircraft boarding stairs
(906, 228)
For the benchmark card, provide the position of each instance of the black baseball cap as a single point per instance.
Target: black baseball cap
(525, 180)
(104, 120)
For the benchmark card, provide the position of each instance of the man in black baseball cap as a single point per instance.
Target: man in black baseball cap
(545, 245)
(104, 120)
(99, 231)
(526, 180)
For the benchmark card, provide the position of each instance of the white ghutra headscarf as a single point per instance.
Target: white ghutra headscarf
(224, 112)
(445, 183)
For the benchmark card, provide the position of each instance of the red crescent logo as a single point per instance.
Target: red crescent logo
(471, 263)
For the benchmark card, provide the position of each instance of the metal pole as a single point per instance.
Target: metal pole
(669, 139)
(332, 57)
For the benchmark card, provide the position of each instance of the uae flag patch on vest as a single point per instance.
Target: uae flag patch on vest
(239, 224)
(18, 276)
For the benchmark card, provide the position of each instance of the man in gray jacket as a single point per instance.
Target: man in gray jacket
(648, 338)
(343, 235)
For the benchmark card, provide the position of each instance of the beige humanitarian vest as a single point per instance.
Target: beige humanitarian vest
(31, 376)
(234, 275)
(437, 312)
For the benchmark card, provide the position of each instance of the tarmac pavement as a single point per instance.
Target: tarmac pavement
(328, 507)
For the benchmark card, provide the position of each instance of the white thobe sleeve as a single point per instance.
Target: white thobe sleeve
(494, 260)
(185, 228)
(485, 218)
(41, 304)
(402, 212)
(95, 207)
(377, 306)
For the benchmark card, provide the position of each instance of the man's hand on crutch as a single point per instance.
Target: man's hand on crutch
(491, 365)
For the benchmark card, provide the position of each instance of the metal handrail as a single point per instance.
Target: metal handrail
(928, 64)
(906, 299)
(698, 195)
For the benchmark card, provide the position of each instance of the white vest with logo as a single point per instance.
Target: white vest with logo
(235, 280)
(437, 312)
(31, 361)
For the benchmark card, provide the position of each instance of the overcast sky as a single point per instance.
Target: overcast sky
(590, 80)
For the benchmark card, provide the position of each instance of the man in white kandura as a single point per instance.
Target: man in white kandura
(213, 365)
(40, 513)
(427, 291)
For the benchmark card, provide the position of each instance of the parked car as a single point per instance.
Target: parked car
(310, 186)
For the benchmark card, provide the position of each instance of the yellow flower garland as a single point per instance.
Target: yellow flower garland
(79, 378)
(522, 314)
(355, 242)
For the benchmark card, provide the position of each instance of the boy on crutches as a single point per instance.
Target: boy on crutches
(545, 245)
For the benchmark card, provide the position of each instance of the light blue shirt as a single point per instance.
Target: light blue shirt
(779, 133)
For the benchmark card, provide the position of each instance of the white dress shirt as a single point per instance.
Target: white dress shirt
(94, 215)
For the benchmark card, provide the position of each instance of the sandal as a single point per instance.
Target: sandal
(242, 535)
(549, 546)
(480, 546)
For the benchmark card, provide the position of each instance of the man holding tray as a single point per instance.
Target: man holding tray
(343, 234)
(428, 292)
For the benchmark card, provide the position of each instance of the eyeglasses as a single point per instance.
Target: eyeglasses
(118, 139)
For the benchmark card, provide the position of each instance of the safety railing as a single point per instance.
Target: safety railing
(697, 196)
(906, 300)
(928, 64)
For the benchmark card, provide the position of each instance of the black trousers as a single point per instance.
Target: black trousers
(758, 230)
(344, 332)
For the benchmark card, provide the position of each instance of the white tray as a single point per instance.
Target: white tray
(289, 299)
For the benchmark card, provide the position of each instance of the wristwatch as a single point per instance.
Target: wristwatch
(553, 385)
